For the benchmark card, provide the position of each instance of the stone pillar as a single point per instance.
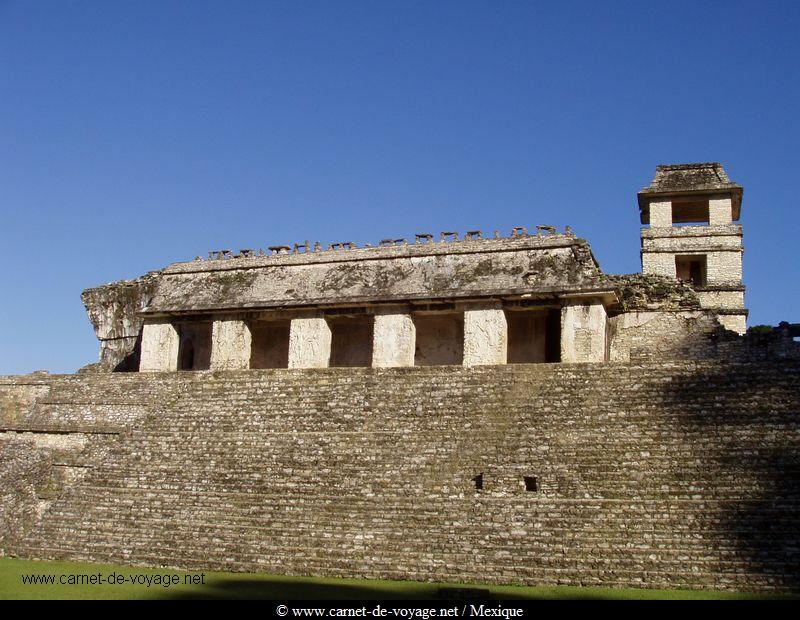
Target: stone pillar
(583, 332)
(309, 343)
(159, 348)
(394, 339)
(720, 212)
(661, 214)
(485, 335)
(230, 345)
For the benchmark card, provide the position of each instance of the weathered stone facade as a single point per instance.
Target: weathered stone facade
(345, 402)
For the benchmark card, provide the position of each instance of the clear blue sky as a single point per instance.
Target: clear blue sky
(135, 134)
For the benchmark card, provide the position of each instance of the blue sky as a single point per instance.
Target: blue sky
(136, 134)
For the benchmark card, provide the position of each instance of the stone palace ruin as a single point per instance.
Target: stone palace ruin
(467, 406)
(523, 298)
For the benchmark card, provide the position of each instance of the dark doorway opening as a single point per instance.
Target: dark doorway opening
(270, 344)
(194, 346)
(440, 339)
(351, 340)
(534, 336)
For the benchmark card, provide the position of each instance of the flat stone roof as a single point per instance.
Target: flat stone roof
(521, 265)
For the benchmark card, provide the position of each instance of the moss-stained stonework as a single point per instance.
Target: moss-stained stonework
(639, 292)
(425, 271)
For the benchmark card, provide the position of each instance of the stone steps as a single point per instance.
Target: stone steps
(282, 470)
(215, 541)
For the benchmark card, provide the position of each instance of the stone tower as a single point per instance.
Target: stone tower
(690, 210)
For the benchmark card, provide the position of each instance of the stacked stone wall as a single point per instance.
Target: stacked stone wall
(53, 428)
(651, 474)
(690, 334)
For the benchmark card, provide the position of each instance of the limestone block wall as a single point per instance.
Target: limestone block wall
(721, 299)
(720, 211)
(647, 474)
(721, 244)
(53, 428)
(734, 322)
(724, 267)
(661, 214)
(662, 335)
(662, 264)
(692, 239)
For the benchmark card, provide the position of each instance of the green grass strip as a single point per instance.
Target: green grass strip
(152, 583)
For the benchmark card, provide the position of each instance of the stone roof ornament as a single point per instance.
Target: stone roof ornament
(390, 242)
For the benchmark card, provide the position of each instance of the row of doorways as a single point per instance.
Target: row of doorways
(533, 337)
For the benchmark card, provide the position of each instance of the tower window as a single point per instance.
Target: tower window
(531, 483)
(689, 212)
(691, 269)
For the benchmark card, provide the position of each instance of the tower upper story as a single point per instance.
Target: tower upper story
(689, 211)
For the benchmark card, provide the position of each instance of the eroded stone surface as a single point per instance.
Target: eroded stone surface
(394, 339)
(114, 310)
(230, 345)
(425, 271)
(485, 335)
(309, 343)
(159, 348)
(583, 332)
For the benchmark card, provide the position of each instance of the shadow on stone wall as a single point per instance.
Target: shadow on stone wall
(130, 363)
(748, 441)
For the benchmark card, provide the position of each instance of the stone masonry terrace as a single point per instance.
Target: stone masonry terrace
(679, 474)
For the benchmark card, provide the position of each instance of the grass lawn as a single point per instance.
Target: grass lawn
(262, 586)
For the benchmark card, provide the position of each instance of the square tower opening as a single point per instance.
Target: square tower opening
(691, 268)
(534, 336)
(440, 339)
(270, 344)
(351, 340)
(194, 346)
(690, 212)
